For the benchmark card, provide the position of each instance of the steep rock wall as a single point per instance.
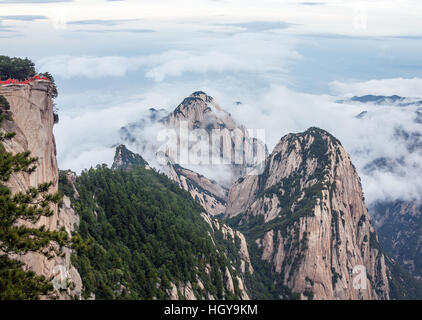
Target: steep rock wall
(32, 111)
(307, 214)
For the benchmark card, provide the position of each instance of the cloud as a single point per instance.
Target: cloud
(117, 30)
(101, 22)
(86, 137)
(280, 110)
(219, 62)
(174, 63)
(399, 86)
(5, 28)
(90, 122)
(88, 66)
(23, 17)
(312, 3)
(34, 1)
(261, 26)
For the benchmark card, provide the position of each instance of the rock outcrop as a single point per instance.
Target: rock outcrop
(125, 159)
(307, 215)
(32, 111)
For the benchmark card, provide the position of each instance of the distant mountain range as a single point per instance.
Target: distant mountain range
(384, 100)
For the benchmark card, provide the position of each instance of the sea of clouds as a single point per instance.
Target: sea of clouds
(93, 133)
(287, 62)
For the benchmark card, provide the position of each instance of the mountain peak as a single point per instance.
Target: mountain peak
(313, 139)
(197, 101)
(200, 111)
(126, 159)
(307, 214)
(202, 95)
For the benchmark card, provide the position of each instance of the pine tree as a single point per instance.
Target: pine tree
(16, 68)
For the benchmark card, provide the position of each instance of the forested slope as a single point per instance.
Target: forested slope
(148, 240)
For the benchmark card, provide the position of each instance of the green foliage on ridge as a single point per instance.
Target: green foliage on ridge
(146, 233)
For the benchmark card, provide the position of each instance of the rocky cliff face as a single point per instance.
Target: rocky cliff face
(32, 111)
(208, 193)
(307, 216)
(398, 225)
(215, 141)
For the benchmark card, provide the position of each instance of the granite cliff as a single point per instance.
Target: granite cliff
(307, 216)
(31, 107)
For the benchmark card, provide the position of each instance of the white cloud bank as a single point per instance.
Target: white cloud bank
(387, 87)
(87, 66)
(280, 110)
(175, 63)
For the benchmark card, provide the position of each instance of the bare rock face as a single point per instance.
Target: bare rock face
(306, 213)
(172, 292)
(33, 120)
(214, 140)
(187, 291)
(234, 236)
(207, 192)
(200, 111)
(32, 111)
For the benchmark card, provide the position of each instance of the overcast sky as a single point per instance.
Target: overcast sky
(287, 61)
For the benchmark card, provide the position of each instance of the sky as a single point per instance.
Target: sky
(288, 62)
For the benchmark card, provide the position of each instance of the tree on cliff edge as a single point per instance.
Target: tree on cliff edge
(16, 68)
(17, 239)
